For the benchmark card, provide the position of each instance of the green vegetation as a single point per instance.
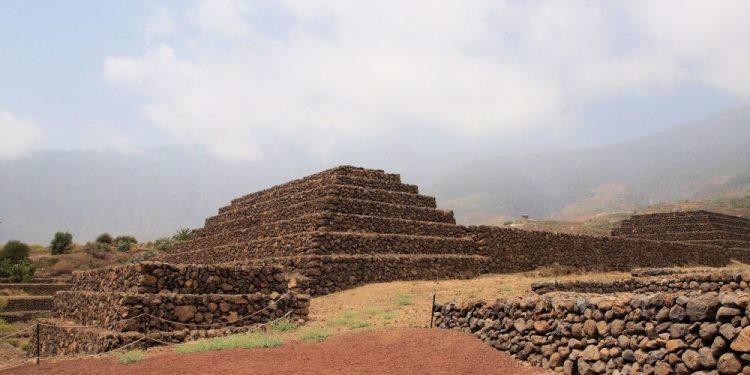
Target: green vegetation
(316, 335)
(17, 272)
(104, 238)
(743, 202)
(162, 244)
(243, 341)
(123, 246)
(6, 328)
(505, 289)
(3, 304)
(404, 300)
(182, 234)
(350, 319)
(385, 315)
(508, 222)
(62, 243)
(128, 239)
(283, 325)
(132, 356)
(15, 251)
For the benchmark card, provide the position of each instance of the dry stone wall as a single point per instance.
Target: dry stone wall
(159, 277)
(514, 250)
(661, 333)
(700, 227)
(716, 281)
(189, 310)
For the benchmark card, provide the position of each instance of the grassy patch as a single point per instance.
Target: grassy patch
(284, 326)
(350, 319)
(244, 341)
(6, 327)
(377, 312)
(505, 289)
(132, 356)
(316, 335)
(404, 300)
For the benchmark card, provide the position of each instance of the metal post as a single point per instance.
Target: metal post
(432, 310)
(145, 340)
(38, 344)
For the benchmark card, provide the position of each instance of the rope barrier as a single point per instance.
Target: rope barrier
(94, 325)
(145, 337)
(17, 332)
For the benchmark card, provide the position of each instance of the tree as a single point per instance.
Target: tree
(15, 251)
(62, 243)
(104, 238)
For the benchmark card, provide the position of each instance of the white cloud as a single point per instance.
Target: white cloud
(235, 78)
(17, 135)
(159, 22)
(104, 138)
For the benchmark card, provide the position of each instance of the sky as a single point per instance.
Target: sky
(243, 79)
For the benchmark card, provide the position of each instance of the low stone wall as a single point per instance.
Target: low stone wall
(188, 310)
(389, 225)
(695, 236)
(56, 338)
(717, 281)
(680, 228)
(36, 289)
(620, 334)
(515, 250)
(159, 277)
(320, 275)
(28, 303)
(321, 242)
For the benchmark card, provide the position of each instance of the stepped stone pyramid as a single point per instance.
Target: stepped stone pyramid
(697, 227)
(344, 212)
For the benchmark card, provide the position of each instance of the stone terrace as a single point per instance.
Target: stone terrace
(696, 227)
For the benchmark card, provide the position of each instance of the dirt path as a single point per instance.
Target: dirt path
(400, 351)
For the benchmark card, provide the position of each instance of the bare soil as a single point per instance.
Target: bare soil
(398, 351)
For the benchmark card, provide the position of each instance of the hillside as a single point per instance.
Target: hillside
(152, 193)
(705, 158)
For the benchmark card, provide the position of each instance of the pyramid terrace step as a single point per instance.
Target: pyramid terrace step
(678, 228)
(27, 303)
(369, 179)
(236, 220)
(686, 218)
(328, 243)
(341, 191)
(23, 316)
(688, 236)
(723, 243)
(324, 222)
(324, 274)
(37, 289)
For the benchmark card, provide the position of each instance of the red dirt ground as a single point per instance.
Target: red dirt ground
(401, 351)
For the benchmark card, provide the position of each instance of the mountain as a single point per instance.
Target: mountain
(698, 159)
(151, 194)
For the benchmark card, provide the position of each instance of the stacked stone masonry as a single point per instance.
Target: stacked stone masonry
(262, 256)
(663, 333)
(699, 227)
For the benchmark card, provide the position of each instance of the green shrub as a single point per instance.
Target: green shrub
(163, 244)
(123, 246)
(244, 341)
(132, 356)
(128, 239)
(21, 272)
(182, 234)
(316, 335)
(104, 238)
(15, 251)
(62, 243)
(3, 305)
(6, 328)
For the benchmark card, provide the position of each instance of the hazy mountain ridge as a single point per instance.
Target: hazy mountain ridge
(152, 194)
(661, 167)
